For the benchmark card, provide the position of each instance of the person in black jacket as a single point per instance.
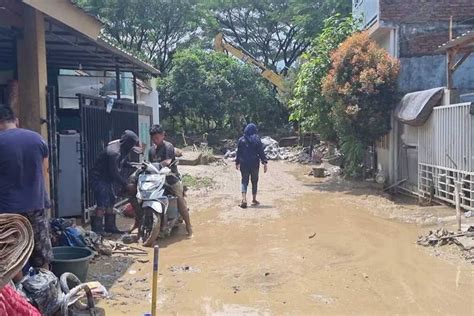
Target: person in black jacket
(249, 154)
(106, 173)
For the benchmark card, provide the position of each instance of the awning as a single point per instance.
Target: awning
(416, 107)
(67, 49)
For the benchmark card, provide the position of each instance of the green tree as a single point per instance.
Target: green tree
(362, 85)
(208, 90)
(308, 106)
(152, 29)
(276, 32)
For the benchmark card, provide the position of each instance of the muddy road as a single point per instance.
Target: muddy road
(310, 249)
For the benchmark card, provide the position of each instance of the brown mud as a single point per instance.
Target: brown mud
(311, 248)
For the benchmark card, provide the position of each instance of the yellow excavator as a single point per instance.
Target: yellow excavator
(221, 45)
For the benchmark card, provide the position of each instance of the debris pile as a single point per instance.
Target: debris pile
(441, 237)
(319, 153)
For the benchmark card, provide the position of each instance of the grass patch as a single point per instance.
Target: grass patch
(197, 182)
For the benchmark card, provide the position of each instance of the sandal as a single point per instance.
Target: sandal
(255, 203)
(243, 205)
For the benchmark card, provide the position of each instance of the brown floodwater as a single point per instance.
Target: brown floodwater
(313, 254)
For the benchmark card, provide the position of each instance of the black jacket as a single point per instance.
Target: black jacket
(113, 158)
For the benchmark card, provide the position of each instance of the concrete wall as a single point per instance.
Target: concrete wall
(420, 73)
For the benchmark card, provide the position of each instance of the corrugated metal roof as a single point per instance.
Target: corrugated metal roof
(108, 44)
(465, 40)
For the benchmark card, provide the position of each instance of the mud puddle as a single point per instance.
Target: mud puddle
(321, 255)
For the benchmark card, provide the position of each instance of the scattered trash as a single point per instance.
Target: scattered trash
(312, 236)
(267, 273)
(468, 214)
(236, 289)
(185, 268)
(143, 260)
(304, 155)
(132, 272)
(129, 239)
(319, 172)
(441, 237)
(365, 275)
(120, 248)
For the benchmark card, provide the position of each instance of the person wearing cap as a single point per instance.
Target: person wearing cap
(105, 174)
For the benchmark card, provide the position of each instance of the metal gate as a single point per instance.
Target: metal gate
(98, 128)
(52, 145)
(446, 154)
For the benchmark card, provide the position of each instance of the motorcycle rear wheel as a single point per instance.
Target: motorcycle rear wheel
(155, 231)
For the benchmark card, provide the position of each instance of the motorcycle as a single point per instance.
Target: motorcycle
(156, 210)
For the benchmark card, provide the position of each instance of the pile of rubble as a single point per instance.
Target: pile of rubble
(320, 153)
(441, 237)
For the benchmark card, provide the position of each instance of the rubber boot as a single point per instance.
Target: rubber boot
(110, 226)
(97, 224)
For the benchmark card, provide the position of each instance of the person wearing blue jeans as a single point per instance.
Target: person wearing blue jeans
(249, 155)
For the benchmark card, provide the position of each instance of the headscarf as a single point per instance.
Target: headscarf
(250, 134)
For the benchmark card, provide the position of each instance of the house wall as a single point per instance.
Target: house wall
(423, 25)
(419, 27)
(426, 72)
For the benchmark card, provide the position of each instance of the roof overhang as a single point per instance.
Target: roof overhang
(67, 49)
(69, 14)
(464, 42)
(73, 39)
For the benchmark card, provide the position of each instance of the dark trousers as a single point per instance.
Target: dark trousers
(249, 174)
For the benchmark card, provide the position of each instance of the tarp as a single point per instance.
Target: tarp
(416, 107)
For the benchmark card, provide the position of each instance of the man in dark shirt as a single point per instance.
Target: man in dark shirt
(163, 152)
(23, 163)
(106, 173)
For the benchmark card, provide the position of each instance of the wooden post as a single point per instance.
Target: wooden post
(154, 289)
(449, 68)
(135, 89)
(117, 81)
(457, 199)
(451, 28)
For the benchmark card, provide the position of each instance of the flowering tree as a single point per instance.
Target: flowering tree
(362, 85)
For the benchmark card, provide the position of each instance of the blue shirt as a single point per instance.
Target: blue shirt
(22, 187)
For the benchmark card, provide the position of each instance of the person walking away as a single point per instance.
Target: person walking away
(249, 155)
(105, 173)
(164, 153)
(23, 164)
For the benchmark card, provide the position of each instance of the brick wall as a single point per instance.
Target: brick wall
(424, 24)
(416, 11)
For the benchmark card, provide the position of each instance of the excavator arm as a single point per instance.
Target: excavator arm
(221, 45)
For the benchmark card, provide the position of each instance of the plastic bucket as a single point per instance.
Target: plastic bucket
(71, 259)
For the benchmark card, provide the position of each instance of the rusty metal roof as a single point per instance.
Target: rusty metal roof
(464, 41)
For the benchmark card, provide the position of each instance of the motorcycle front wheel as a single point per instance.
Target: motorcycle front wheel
(155, 222)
